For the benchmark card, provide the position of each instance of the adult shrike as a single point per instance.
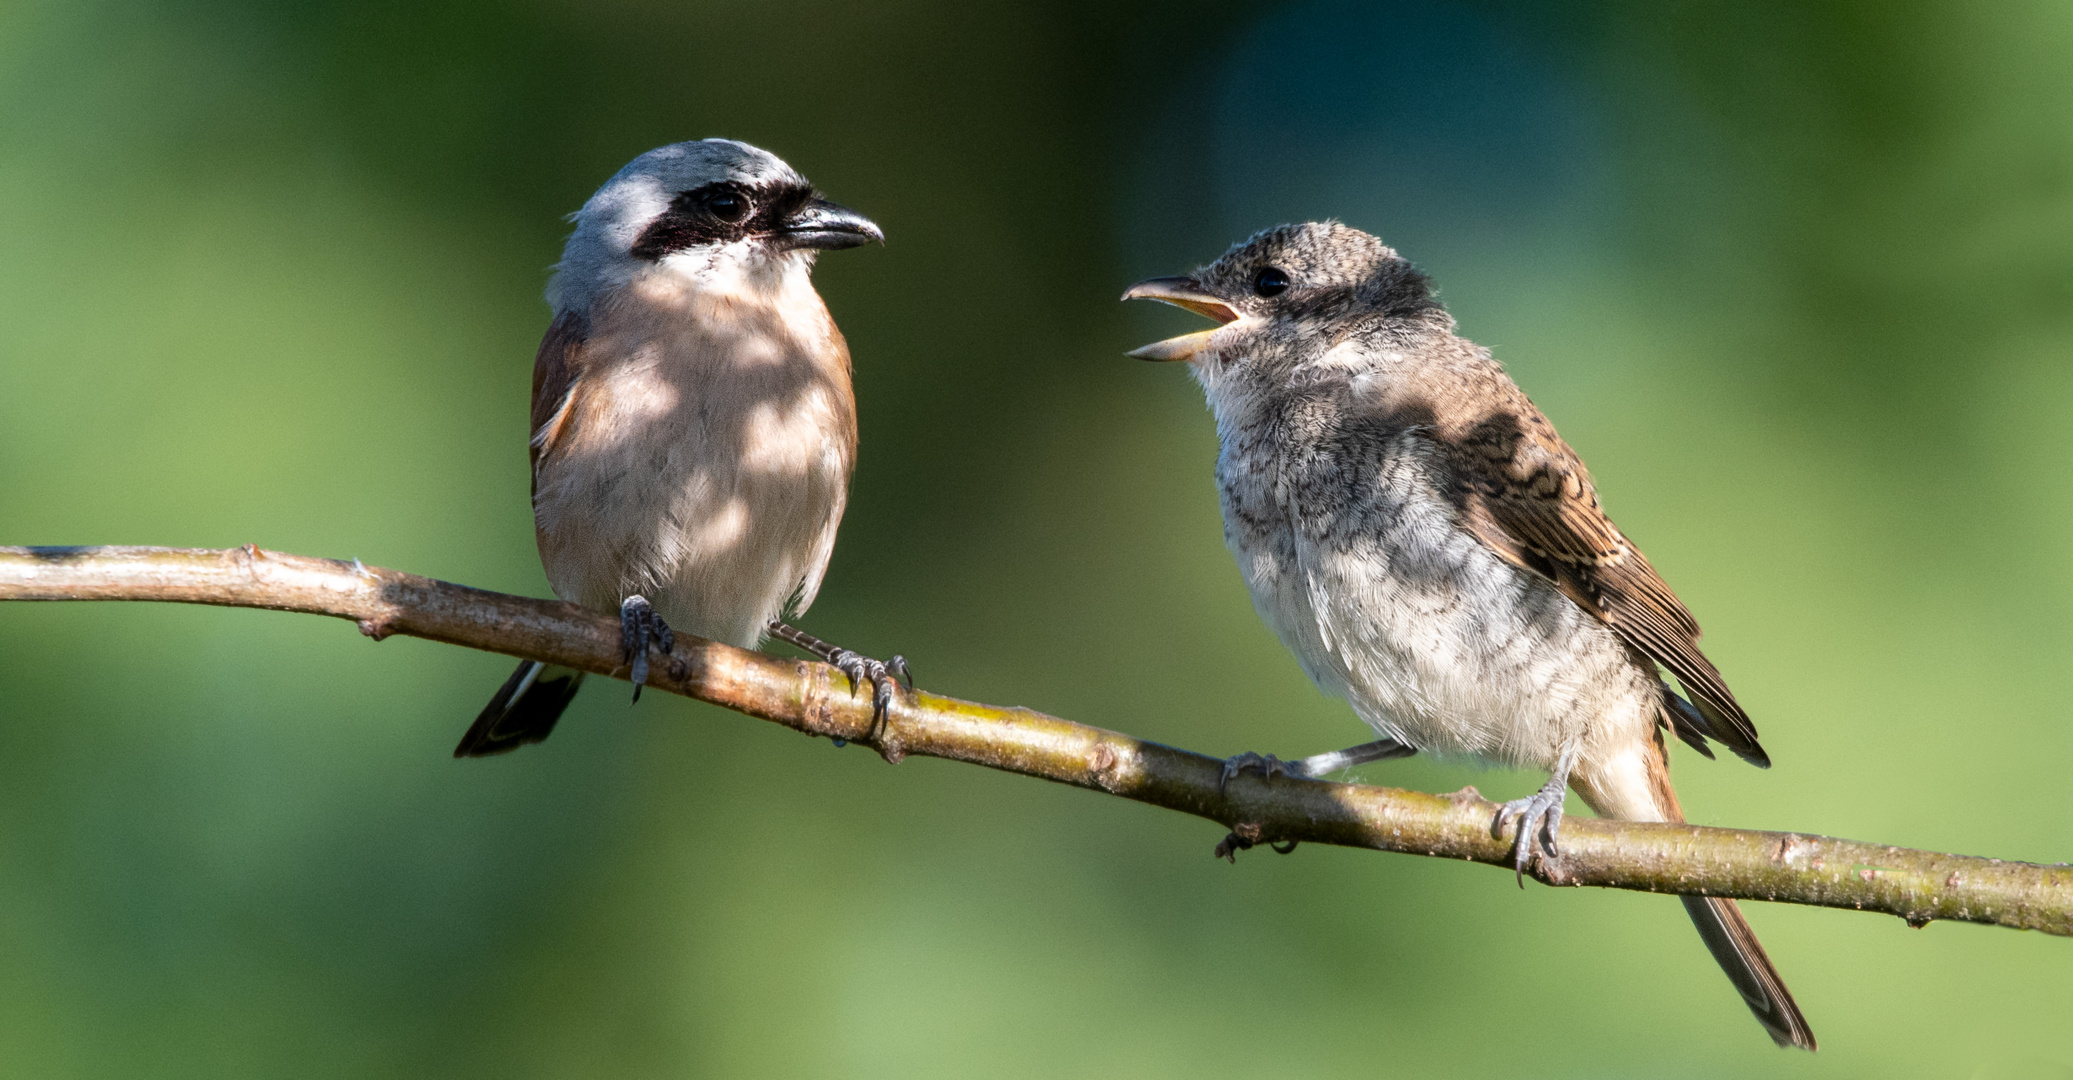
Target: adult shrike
(1428, 547)
(693, 425)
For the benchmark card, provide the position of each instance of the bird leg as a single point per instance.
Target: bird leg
(1539, 814)
(639, 629)
(1316, 765)
(883, 676)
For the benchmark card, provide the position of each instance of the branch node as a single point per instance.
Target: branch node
(816, 715)
(888, 747)
(1102, 769)
(375, 628)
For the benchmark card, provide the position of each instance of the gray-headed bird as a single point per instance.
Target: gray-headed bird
(693, 425)
(1430, 549)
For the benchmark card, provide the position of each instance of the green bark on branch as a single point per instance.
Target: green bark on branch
(811, 697)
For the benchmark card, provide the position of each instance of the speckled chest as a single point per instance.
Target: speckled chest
(1343, 525)
(1304, 463)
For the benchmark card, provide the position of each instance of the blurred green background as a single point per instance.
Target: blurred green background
(1796, 279)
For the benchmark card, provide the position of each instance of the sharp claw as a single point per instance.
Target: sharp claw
(898, 666)
(1539, 815)
(1232, 767)
(1505, 814)
(881, 693)
(850, 665)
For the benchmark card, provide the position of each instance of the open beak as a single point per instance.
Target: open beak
(1186, 293)
(828, 227)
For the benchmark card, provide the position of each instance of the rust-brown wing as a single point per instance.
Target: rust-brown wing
(554, 375)
(1530, 499)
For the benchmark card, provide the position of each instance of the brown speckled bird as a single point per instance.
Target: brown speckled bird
(1432, 552)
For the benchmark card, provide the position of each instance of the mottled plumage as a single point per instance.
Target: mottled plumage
(1430, 549)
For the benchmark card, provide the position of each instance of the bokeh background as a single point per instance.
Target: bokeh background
(1796, 279)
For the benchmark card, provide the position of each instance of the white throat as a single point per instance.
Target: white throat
(740, 272)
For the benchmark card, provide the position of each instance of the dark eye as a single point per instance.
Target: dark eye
(1270, 281)
(728, 207)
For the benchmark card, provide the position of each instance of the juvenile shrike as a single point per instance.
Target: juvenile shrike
(693, 426)
(1432, 552)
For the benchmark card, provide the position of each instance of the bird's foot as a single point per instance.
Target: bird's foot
(1539, 815)
(639, 629)
(1267, 765)
(883, 675)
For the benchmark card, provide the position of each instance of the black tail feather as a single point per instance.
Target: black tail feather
(1734, 946)
(524, 710)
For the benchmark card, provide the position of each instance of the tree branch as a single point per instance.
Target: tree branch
(1918, 886)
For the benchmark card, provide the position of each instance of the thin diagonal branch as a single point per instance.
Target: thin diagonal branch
(1918, 886)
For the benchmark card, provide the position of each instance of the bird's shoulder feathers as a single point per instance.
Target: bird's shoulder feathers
(1526, 495)
(554, 375)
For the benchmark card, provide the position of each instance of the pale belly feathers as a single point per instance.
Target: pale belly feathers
(706, 461)
(1432, 638)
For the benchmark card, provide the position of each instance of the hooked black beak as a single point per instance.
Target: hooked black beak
(827, 227)
(1186, 293)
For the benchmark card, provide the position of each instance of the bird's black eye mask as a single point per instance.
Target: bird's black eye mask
(721, 213)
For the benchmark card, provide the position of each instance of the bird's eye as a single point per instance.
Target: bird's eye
(1270, 281)
(728, 207)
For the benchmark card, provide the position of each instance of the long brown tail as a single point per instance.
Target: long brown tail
(1735, 948)
(1726, 933)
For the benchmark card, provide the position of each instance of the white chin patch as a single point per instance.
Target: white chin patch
(742, 267)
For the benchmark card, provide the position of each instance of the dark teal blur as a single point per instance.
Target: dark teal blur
(1796, 279)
